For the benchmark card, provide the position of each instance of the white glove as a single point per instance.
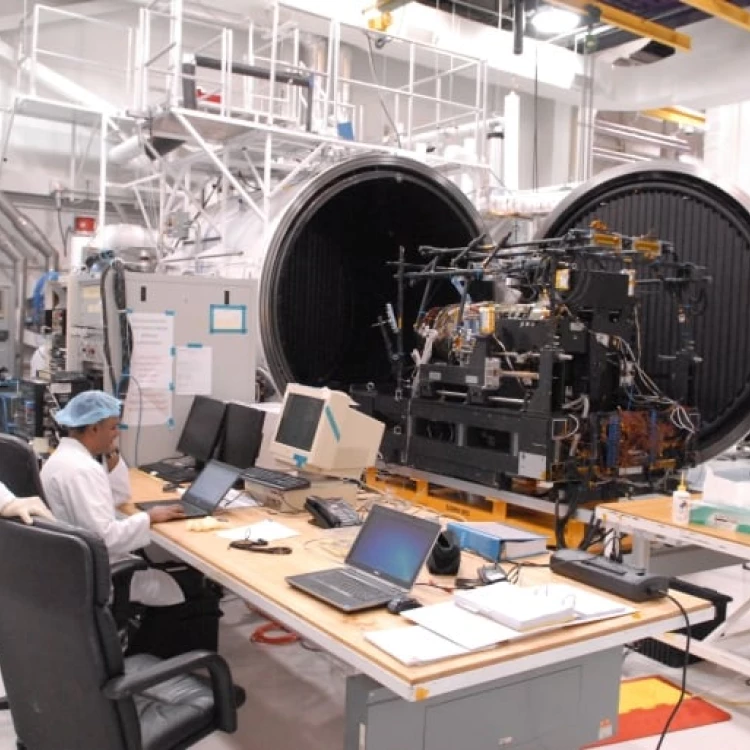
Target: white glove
(26, 507)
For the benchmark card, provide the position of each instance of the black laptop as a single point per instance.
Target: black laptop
(204, 494)
(383, 563)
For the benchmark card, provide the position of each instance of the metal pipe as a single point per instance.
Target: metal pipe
(634, 134)
(506, 400)
(28, 230)
(518, 26)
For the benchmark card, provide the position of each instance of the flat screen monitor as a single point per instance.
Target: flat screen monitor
(320, 431)
(202, 429)
(243, 434)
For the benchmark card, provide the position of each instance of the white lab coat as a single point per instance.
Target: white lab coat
(79, 492)
(5, 496)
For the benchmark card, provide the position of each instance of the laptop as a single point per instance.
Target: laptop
(204, 494)
(383, 563)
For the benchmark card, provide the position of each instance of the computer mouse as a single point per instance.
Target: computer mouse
(402, 604)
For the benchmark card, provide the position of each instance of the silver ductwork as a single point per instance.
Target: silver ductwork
(28, 231)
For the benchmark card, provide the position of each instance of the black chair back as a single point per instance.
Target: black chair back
(58, 642)
(19, 467)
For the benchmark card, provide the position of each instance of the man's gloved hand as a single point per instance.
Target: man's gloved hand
(26, 507)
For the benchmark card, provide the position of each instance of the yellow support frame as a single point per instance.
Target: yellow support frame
(631, 23)
(728, 12)
(678, 115)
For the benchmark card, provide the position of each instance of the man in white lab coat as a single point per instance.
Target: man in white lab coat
(22, 507)
(78, 491)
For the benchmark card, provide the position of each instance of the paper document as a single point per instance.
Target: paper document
(468, 630)
(194, 370)
(271, 531)
(153, 339)
(414, 645)
(518, 607)
(147, 407)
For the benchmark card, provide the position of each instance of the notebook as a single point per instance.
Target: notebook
(519, 608)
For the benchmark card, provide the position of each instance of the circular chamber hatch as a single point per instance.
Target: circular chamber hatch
(709, 225)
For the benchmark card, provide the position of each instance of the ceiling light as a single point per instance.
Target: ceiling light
(555, 21)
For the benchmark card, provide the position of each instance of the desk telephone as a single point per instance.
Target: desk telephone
(329, 513)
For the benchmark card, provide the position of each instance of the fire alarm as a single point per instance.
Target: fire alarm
(84, 224)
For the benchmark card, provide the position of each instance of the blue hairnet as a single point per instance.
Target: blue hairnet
(88, 408)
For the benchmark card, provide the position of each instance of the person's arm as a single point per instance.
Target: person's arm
(22, 507)
(5, 496)
(119, 477)
(91, 505)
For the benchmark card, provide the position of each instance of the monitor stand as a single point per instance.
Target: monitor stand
(291, 501)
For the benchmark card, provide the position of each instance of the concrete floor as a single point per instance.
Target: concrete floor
(296, 694)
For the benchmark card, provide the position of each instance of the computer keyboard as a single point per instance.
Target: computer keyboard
(338, 580)
(275, 480)
(602, 573)
(170, 472)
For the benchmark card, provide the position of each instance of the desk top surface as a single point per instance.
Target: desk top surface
(659, 510)
(316, 549)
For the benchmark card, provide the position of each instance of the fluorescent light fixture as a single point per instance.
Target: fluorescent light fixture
(555, 21)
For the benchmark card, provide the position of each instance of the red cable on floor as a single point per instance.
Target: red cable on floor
(284, 637)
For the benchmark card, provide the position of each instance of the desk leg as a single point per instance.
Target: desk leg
(641, 554)
(559, 707)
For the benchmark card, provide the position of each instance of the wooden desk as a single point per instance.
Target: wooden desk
(259, 579)
(651, 520)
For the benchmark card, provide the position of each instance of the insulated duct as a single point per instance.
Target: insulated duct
(709, 224)
(323, 266)
(28, 231)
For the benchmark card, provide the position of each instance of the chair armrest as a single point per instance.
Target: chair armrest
(218, 670)
(128, 566)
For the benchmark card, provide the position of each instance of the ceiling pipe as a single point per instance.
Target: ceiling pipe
(641, 136)
(29, 231)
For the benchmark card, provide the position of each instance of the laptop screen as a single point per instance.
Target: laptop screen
(393, 545)
(211, 485)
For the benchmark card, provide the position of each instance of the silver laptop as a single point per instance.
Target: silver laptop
(383, 563)
(204, 494)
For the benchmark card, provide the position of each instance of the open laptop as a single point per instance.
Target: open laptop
(383, 563)
(204, 494)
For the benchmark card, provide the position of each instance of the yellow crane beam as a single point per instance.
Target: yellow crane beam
(728, 12)
(679, 116)
(637, 25)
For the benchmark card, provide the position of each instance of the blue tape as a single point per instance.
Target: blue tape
(171, 423)
(299, 460)
(122, 426)
(129, 310)
(332, 421)
(194, 346)
(242, 329)
(173, 351)
(171, 386)
(169, 312)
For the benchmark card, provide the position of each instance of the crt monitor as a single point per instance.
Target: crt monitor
(202, 429)
(243, 434)
(319, 431)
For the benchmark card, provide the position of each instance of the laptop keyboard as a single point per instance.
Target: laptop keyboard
(339, 581)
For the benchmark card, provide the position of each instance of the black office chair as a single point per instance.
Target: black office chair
(68, 685)
(19, 467)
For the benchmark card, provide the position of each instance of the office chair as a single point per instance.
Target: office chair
(19, 472)
(20, 467)
(68, 685)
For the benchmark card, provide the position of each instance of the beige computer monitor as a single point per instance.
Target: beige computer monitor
(319, 431)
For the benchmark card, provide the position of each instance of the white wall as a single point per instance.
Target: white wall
(727, 144)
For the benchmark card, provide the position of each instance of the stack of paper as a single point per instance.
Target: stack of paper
(454, 630)
(414, 645)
